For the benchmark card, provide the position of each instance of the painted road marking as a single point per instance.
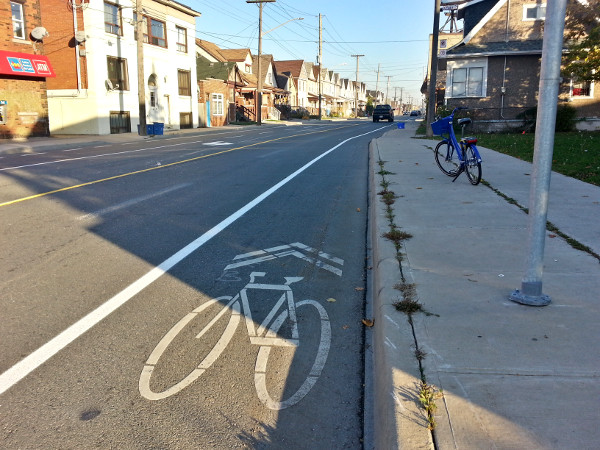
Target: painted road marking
(216, 143)
(132, 202)
(287, 250)
(34, 360)
(115, 177)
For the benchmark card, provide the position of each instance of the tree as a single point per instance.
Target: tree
(582, 34)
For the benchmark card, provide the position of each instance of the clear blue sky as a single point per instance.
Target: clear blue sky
(391, 33)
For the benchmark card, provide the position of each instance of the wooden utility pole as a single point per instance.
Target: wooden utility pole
(139, 26)
(356, 86)
(259, 78)
(320, 63)
(387, 89)
(377, 85)
(433, 70)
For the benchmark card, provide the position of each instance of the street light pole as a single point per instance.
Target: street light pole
(259, 80)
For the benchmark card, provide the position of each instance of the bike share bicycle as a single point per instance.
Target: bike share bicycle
(455, 157)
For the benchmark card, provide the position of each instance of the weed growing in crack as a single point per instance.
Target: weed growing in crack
(427, 396)
(420, 355)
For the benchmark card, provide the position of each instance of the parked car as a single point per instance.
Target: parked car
(415, 113)
(383, 112)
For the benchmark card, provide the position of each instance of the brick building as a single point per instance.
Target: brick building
(24, 70)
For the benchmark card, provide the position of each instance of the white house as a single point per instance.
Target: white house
(109, 102)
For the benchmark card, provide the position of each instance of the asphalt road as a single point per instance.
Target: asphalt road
(144, 298)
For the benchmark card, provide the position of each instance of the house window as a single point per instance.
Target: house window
(184, 78)
(117, 73)
(581, 89)
(467, 78)
(154, 31)
(112, 19)
(217, 104)
(17, 20)
(534, 12)
(181, 39)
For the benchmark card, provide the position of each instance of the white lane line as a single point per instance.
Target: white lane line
(72, 149)
(96, 156)
(34, 360)
(131, 202)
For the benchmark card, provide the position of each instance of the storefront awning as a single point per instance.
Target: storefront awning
(25, 64)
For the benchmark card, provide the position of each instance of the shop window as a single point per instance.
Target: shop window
(117, 73)
(184, 78)
(18, 20)
(112, 19)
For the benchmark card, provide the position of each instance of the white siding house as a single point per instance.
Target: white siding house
(110, 102)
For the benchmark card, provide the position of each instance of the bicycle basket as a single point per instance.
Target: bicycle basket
(442, 125)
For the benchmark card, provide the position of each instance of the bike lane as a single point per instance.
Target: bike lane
(319, 217)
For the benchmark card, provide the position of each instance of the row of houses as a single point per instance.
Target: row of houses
(74, 67)
(493, 65)
(289, 86)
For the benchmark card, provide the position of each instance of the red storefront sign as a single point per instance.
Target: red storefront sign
(25, 64)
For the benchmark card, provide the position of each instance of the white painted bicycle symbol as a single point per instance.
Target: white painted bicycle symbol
(266, 335)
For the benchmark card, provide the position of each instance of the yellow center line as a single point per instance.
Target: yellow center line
(102, 180)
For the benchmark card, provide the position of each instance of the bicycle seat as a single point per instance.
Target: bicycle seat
(465, 121)
(469, 140)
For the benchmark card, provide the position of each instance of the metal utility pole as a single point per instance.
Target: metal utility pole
(356, 87)
(259, 78)
(377, 85)
(320, 63)
(139, 26)
(433, 70)
(531, 284)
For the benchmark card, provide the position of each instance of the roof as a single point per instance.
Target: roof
(265, 60)
(294, 66)
(218, 70)
(212, 49)
(236, 54)
(180, 7)
(497, 48)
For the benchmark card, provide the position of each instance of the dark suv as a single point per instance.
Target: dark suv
(383, 112)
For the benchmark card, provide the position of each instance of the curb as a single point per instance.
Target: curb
(398, 419)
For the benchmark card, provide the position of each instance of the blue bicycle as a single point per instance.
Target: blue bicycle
(455, 157)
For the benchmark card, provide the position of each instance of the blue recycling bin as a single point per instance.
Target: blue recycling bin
(149, 130)
(401, 125)
(159, 128)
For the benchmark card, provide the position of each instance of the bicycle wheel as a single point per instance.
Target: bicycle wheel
(322, 351)
(228, 305)
(446, 158)
(472, 165)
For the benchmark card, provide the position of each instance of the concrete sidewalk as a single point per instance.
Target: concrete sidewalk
(510, 376)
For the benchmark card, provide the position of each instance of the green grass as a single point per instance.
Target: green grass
(575, 154)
